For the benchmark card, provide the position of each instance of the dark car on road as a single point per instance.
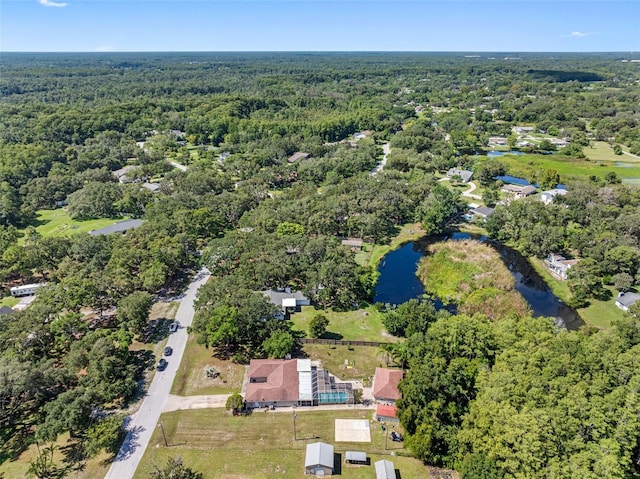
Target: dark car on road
(162, 364)
(168, 351)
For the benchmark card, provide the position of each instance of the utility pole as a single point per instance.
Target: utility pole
(295, 432)
(163, 435)
(386, 435)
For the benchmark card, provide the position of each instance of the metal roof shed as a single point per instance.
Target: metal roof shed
(356, 457)
(385, 470)
(319, 459)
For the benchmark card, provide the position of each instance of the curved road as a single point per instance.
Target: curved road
(142, 424)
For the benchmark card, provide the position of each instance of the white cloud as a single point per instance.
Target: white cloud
(50, 3)
(578, 34)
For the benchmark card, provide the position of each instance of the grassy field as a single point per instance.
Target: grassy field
(58, 223)
(192, 380)
(262, 445)
(94, 468)
(526, 166)
(9, 301)
(357, 363)
(361, 325)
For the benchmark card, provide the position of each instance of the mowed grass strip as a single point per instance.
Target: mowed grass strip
(262, 445)
(360, 325)
(192, 380)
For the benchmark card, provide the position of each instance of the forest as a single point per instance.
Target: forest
(207, 142)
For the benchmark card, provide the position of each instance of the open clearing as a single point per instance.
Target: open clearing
(356, 363)
(58, 223)
(192, 380)
(526, 166)
(262, 445)
(360, 325)
(352, 430)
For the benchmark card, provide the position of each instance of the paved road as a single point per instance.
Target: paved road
(178, 165)
(386, 148)
(143, 423)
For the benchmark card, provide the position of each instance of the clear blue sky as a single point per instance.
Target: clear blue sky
(305, 25)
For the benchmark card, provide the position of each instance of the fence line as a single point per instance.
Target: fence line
(340, 342)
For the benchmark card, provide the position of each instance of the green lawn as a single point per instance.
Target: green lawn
(526, 166)
(361, 325)
(58, 223)
(192, 379)
(262, 445)
(348, 362)
(602, 313)
(9, 301)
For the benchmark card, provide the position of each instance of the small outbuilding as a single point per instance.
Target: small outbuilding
(356, 457)
(118, 227)
(6, 310)
(385, 470)
(319, 459)
(386, 413)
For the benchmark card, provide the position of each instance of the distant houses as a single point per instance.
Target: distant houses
(559, 265)
(464, 175)
(117, 227)
(482, 212)
(625, 300)
(354, 243)
(497, 141)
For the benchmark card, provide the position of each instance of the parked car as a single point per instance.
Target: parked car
(168, 351)
(396, 436)
(173, 327)
(162, 364)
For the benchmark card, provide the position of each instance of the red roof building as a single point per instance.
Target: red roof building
(272, 382)
(386, 413)
(385, 384)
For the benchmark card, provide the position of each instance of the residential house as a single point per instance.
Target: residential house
(518, 191)
(559, 265)
(354, 243)
(319, 459)
(152, 187)
(385, 385)
(359, 135)
(117, 227)
(286, 300)
(547, 197)
(464, 175)
(121, 174)
(625, 300)
(272, 382)
(482, 212)
(386, 413)
(298, 155)
(385, 470)
(497, 141)
(520, 130)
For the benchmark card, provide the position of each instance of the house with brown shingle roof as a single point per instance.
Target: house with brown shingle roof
(298, 155)
(272, 382)
(385, 385)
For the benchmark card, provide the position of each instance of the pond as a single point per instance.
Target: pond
(398, 282)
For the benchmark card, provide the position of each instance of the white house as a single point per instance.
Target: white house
(548, 196)
(625, 300)
(559, 265)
